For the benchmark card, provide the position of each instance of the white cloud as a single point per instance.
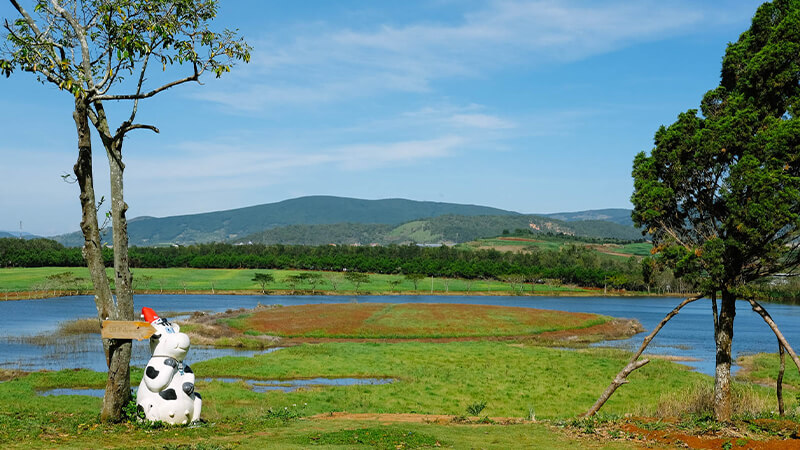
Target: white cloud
(337, 64)
(228, 162)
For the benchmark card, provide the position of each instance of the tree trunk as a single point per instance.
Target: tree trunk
(123, 279)
(117, 392)
(724, 339)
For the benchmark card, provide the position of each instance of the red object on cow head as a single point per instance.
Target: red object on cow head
(149, 314)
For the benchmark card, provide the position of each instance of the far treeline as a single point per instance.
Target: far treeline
(572, 264)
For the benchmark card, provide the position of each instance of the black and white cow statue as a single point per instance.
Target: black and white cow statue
(166, 392)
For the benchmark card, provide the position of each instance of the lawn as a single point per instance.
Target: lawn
(178, 280)
(514, 381)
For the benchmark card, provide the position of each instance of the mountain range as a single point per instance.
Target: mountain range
(317, 220)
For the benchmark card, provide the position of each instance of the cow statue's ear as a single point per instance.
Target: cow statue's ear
(176, 327)
(156, 336)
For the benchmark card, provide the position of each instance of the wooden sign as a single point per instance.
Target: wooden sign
(124, 329)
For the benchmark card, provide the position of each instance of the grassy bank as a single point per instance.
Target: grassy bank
(47, 281)
(512, 380)
(763, 368)
(437, 388)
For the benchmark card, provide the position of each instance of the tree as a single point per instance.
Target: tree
(88, 48)
(314, 279)
(720, 191)
(263, 279)
(414, 278)
(356, 278)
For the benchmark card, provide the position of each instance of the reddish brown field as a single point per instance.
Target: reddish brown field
(379, 320)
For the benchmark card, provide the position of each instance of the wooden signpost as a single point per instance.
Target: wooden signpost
(124, 329)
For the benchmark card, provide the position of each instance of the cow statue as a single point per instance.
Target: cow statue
(166, 392)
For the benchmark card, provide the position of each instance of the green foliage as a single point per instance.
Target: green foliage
(475, 409)
(415, 278)
(570, 264)
(131, 413)
(263, 279)
(356, 279)
(720, 191)
(127, 33)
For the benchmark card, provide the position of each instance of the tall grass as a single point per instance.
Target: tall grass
(698, 399)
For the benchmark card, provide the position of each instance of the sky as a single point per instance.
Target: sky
(529, 106)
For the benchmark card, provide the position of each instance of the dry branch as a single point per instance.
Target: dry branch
(633, 364)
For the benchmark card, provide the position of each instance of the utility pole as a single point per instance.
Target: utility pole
(20, 229)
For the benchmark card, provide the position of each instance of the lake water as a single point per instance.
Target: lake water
(689, 334)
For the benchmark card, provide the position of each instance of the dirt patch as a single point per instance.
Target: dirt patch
(419, 418)
(649, 432)
(723, 440)
(614, 329)
(8, 375)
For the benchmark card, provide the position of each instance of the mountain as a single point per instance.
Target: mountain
(319, 220)
(446, 228)
(313, 210)
(616, 215)
(16, 234)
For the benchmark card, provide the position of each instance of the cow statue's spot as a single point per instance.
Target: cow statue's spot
(166, 392)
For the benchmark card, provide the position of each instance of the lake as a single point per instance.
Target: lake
(689, 334)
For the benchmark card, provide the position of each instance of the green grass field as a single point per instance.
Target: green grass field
(763, 368)
(180, 279)
(512, 380)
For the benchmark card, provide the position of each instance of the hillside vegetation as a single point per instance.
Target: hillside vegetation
(442, 229)
(320, 220)
(221, 226)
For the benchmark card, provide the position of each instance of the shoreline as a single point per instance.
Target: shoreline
(39, 295)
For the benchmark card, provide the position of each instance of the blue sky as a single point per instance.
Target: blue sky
(533, 106)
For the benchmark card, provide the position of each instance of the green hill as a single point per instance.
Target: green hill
(319, 220)
(447, 228)
(617, 215)
(315, 210)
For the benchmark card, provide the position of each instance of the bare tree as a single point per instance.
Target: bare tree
(88, 48)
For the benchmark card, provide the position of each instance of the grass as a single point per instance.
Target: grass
(178, 280)
(432, 378)
(446, 378)
(408, 321)
(763, 368)
(506, 380)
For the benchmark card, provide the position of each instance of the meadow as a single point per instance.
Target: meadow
(511, 380)
(477, 393)
(37, 282)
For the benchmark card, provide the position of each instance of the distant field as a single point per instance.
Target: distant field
(517, 244)
(410, 321)
(208, 280)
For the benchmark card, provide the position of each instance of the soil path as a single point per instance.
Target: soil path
(416, 418)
